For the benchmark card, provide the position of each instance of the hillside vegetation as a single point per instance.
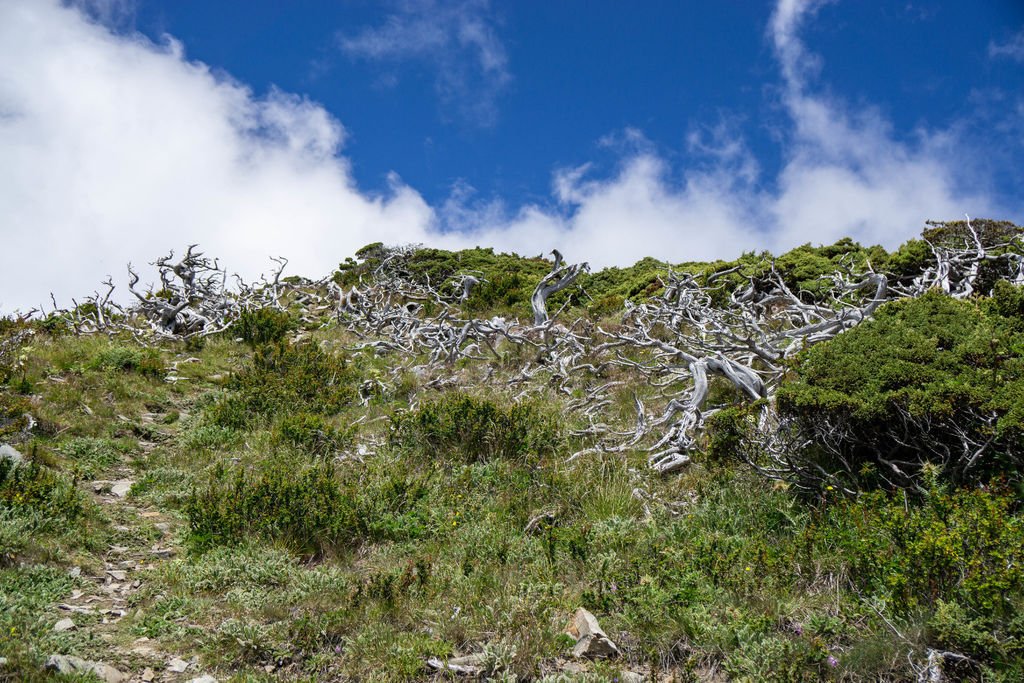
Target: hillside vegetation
(794, 468)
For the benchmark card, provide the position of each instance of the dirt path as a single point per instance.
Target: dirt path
(109, 593)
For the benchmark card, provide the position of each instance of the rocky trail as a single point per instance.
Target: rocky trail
(109, 592)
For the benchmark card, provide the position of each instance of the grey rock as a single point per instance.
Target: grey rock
(632, 677)
(69, 665)
(3, 662)
(591, 641)
(205, 678)
(121, 488)
(177, 665)
(469, 665)
(64, 625)
(9, 452)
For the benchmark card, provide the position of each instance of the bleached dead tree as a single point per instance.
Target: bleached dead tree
(558, 279)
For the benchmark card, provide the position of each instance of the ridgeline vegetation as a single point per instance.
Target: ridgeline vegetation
(419, 467)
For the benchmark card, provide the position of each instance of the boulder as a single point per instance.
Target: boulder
(9, 452)
(121, 488)
(591, 641)
(68, 665)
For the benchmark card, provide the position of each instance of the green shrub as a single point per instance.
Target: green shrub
(14, 412)
(230, 411)
(960, 551)
(305, 506)
(38, 488)
(468, 429)
(728, 434)
(263, 326)
(295, 377)
(932, 379)
(128, 359)
(311, 433)
(606, 306)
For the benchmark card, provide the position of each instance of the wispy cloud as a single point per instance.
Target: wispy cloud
(844, 173)
(1012, 48)
(458, 39)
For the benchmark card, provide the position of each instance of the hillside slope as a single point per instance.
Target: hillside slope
(389, 474)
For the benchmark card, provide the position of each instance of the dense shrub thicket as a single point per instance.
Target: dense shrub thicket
(929, 380)
(303, 505)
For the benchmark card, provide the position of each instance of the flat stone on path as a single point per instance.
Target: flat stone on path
(121, 488)
(64, 625)
(177, 665)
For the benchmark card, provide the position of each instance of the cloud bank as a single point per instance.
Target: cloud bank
(119, 149)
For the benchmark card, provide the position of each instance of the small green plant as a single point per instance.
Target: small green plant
(311, 433)
(35, 487)
(14, 411)
(91, 456)
(471, 430)
(263, 326)
(306, 506)
(145, 361)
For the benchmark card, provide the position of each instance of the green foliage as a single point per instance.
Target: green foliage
(728, 434)
(144, 361)
(303, 505)
(25, 593)
(910, 386)
(34, 487)
(285, 378)
(92, 456)
(13, 414)
(469, 429)
(636, 282)
(959, 550)
(311, 433)
(263, 326)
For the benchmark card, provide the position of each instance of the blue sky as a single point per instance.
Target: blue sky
(682, 130)
(571, 76)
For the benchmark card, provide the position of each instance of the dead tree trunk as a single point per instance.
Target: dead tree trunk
(558, 279)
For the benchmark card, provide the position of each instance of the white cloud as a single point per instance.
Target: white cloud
(1013, 48)
(116, 149)
(846, 173)
(457, 38)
